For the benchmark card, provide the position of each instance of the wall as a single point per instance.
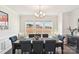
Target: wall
(67, 21)
(70, 19)
(75, 17)
(25, 18)
(60, 23)
(13, 25)
(13, 22)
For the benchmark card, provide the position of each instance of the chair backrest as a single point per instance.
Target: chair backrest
(39, 35)
(31, 35)
(50, 45)
(38, 46)
(45, 35)
(25, 46)
(13, 38)
(61, 37)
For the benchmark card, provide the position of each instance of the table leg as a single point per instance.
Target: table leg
(21, 52)
(54, 51)
(13, 51)
(62, 48)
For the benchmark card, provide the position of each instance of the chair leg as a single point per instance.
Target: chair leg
(54, 52)
(62, 49)
(13, 51)
(21, 52)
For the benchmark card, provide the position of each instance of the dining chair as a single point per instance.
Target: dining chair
(37, 47)
(14, 46)
(60, 37)
(25, 46)
(45, 35)
(39, 35)
(31, 35)
(13, 39)
(50, 46)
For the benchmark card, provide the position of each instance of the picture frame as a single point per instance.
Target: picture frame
(3, 20)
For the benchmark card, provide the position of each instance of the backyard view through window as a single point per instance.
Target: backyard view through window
(39, 28)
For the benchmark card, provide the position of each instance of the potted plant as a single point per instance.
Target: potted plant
(72, 30)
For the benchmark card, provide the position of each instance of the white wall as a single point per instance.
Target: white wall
(70, 19)
(13, 29)
(13, 21)
(75, 17)
(67, 21)
(60, 24)
(25, 18)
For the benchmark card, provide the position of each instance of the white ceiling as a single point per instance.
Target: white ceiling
(48, 9)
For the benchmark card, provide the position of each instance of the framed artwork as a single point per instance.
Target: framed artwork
(78, 25)
(3, 20)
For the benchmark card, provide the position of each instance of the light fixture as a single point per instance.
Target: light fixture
(39, 13)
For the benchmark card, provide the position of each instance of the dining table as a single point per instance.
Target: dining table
(59, 43)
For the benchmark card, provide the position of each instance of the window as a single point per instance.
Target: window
(42, 27)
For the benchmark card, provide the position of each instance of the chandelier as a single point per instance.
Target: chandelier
(39, 13)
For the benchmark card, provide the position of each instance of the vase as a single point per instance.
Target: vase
(72, 33)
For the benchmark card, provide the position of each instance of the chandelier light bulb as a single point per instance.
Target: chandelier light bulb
(44, 14)
(40, 13)
(36, 15)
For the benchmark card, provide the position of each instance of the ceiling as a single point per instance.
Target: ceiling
(48, 9)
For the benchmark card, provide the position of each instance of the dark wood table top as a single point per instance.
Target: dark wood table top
(57, 41)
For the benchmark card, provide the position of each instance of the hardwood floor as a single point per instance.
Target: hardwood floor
(67, 50)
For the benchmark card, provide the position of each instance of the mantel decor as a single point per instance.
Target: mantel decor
(3, 20)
